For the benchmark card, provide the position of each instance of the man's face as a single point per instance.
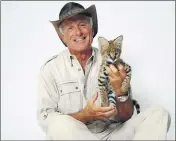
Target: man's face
(77, 33)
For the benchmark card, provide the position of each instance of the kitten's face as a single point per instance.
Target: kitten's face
(110, 50)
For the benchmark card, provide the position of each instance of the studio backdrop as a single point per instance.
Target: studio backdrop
(28, 40)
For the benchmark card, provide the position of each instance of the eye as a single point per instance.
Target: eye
(83, 24)
(69, 28)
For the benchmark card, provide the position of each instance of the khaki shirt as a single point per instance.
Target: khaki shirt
(65, 89)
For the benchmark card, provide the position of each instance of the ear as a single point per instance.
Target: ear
(103, 44)
(118, 41)
(62, 37)
(60, 34)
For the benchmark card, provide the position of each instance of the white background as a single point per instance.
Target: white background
(28, 40)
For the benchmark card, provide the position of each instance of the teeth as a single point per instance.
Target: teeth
(79, 39)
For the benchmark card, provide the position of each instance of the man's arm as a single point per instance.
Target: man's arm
(47, 111)
(93, 112)
(125, 109)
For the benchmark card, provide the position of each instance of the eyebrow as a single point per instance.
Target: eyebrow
(81, 18)
(66, 23)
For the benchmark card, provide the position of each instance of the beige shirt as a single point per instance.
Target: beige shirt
(65, 89)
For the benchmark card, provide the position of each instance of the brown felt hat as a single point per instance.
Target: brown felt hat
(71, 9)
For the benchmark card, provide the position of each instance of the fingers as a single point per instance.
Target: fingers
(102, 109)
(109, 113)
(106, 114)
(113, 72)
(122, 71)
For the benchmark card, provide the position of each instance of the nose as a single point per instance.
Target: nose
(78, 31)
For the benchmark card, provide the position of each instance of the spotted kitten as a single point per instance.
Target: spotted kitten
(110, 52)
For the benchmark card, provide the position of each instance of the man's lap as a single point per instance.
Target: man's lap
(125, 131)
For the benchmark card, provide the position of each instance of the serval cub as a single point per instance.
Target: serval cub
(110, 52)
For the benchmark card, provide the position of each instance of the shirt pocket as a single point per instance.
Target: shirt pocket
(70, 97)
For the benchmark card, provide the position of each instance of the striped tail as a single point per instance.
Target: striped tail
(136, 104)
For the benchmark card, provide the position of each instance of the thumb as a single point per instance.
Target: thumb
(94, 98)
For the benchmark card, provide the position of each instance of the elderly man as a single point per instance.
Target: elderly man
(69, 105)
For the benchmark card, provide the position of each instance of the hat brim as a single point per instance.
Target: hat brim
(90, 11)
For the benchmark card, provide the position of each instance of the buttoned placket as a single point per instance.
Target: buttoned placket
(87, 72)
(76, 65)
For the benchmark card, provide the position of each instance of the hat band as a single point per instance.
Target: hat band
(73, 11)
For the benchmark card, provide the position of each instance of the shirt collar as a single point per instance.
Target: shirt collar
(73, 56)
(92, 57)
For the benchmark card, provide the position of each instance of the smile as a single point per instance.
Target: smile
(80, 39)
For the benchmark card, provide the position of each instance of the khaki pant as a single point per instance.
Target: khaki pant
(151, 124)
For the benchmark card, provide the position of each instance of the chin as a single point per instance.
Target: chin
(82, 46)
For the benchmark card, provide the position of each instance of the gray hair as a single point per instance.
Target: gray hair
(89, 19)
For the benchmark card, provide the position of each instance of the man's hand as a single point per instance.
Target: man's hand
(94, 112)
(116, 77)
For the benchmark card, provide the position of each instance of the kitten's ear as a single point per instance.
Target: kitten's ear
(103, 44)
(118, 41)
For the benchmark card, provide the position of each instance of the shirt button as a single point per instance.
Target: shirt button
(45, 116)
(76, 87)
(79, 69)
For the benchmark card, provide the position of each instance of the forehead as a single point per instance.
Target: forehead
(75, 19)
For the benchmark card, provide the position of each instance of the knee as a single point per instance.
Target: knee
(163, 113)
(159, 109)
(65, 123)
(64, 128)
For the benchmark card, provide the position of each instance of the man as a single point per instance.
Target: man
(69, 103)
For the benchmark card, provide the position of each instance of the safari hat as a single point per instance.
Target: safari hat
(71, 9)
